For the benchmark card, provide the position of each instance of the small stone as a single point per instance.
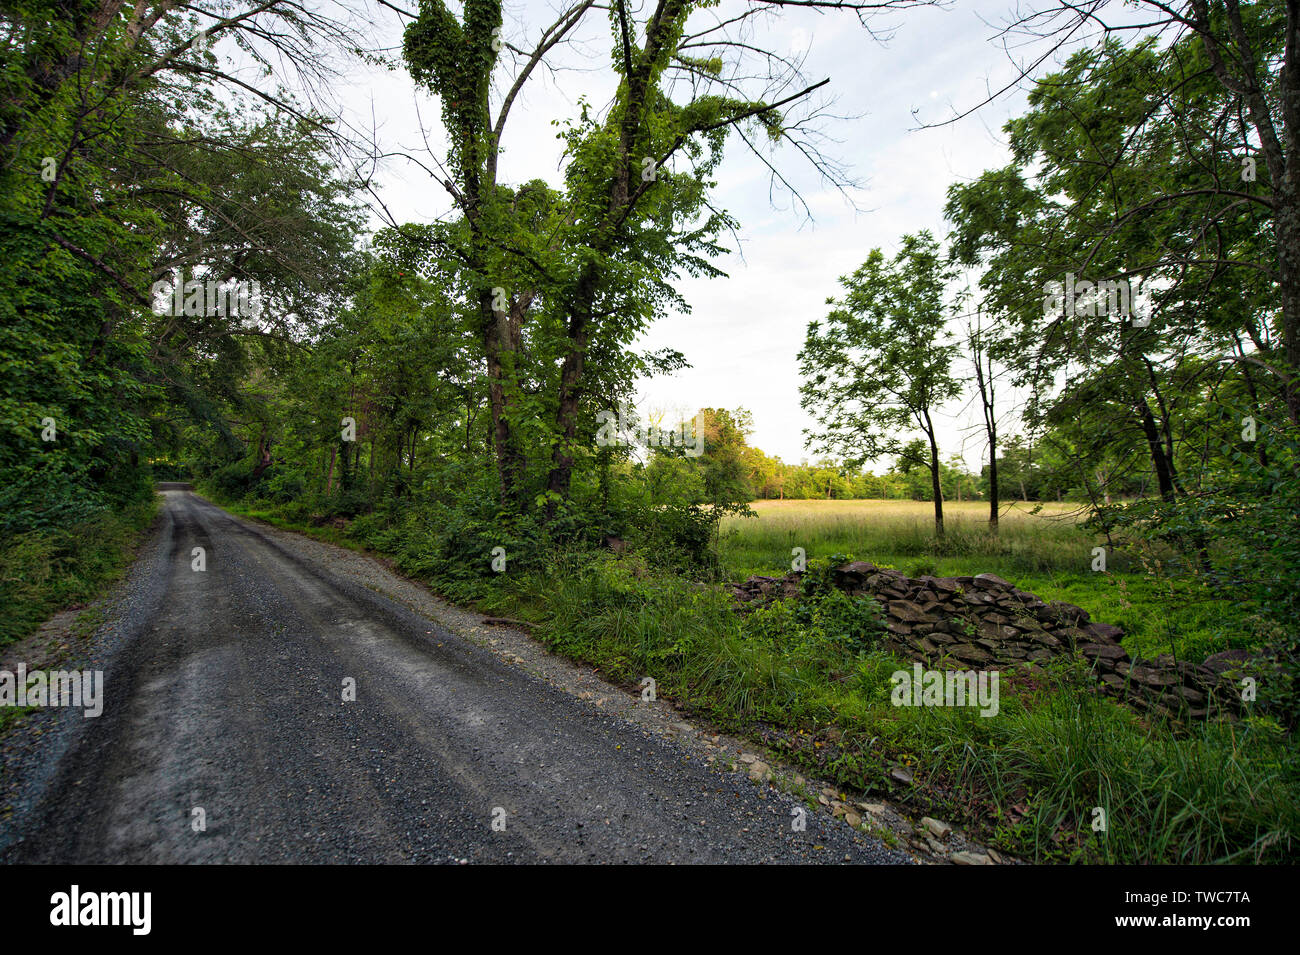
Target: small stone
(853, 819)
(938, 828)
(970, 858)
(759, 771)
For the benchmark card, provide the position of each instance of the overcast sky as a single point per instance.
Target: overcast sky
(745, 331)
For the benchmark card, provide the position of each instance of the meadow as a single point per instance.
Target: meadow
(1039, 547)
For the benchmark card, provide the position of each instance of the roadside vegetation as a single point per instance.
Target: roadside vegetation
(46, 570)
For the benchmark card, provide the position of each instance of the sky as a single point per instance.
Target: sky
(743, 333)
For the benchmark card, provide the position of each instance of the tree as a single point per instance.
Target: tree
(881, 363)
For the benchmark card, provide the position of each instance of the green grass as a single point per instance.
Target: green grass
(1038, 548)
(1027, 779)
(43, 572)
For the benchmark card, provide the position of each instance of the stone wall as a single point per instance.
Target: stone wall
(984, 622)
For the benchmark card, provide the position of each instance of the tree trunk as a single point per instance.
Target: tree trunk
(934, 476)
(1163, 467)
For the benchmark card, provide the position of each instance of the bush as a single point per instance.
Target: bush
(43, 571)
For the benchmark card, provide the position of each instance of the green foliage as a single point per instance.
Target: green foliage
(47, 569)
(830, 621)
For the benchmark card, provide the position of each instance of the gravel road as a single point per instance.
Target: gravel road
(224, 692)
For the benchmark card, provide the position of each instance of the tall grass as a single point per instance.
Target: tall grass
(1055, 751)
(47, 570)
(903, 532)
(1040, 548)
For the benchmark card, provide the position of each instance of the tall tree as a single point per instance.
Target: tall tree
(880, 365)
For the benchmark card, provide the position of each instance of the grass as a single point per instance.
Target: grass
(45, 571)
(1027, 780)
(1040, 548)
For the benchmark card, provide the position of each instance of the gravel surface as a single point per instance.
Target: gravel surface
(224, 692)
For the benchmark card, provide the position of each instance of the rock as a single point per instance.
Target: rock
(1068, 613)
(909, 612)
(901, 774)
(1149, 676)
(1072, 635)
(970, 858)
(759, 771)
(748, 758)
(853, 819)
(1104, 632)
(1103, 650)
(969, 653)
(936, 827)
(984, 620)
(1226, 660)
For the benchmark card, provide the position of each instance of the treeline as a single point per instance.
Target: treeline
(755, 475)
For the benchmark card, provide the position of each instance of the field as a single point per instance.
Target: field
(1039, 547)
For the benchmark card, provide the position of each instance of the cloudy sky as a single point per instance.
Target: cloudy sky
(744, 332)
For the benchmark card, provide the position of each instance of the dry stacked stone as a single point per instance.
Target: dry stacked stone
(984, 622)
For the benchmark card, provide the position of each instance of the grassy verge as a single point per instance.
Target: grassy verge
(45, 571)
(1028, 779)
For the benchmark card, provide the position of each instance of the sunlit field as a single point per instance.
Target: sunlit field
(1038, 547)
(1031, 537)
